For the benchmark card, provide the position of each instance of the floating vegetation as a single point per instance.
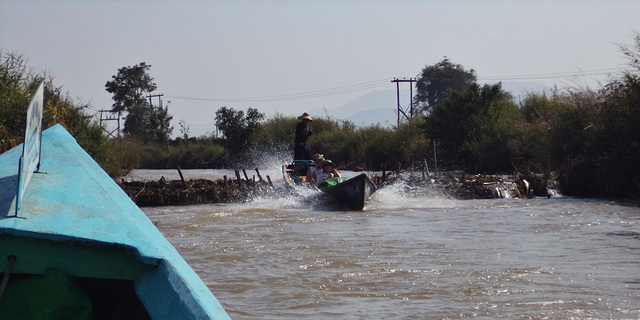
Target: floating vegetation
(198, 191)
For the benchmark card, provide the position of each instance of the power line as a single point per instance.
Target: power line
(385, 82)
(298, 96)
(554, 75)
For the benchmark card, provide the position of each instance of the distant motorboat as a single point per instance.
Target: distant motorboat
(353, 193)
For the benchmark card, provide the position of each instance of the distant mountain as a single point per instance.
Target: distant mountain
(376, 107)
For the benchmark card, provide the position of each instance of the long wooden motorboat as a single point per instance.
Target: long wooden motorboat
(294, 174)
(352, 193)
(79, 248)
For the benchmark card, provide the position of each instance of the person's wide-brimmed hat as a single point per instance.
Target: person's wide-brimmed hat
(305, 116)
(328, 163)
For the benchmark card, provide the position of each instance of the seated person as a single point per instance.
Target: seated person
(331, 168)
(318, 159)
(328, 171)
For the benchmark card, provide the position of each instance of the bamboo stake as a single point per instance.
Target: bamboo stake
(269, 179)
(182, 177)
(259, 176)
(238, 177)
(426, 167)
(435, 156)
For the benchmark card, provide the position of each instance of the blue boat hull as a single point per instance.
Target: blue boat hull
(76, 223)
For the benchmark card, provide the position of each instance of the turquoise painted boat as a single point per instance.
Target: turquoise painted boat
(79, 248)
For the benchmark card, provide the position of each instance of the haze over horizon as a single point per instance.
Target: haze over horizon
(289, 56)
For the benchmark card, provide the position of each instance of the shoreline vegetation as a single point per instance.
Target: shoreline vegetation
(465, 186)
(585, 141)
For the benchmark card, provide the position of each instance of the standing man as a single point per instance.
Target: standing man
(303, 131)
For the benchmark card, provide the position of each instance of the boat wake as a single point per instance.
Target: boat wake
(404, 194)
(401, 193)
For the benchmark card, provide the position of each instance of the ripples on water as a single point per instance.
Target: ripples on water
(423, 256)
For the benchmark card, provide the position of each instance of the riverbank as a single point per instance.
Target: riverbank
(164, 192)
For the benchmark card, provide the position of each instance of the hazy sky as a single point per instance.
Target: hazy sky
(291, 56)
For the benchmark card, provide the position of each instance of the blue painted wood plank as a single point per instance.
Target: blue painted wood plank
(73, 200)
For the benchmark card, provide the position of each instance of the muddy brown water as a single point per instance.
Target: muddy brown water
(414, 257)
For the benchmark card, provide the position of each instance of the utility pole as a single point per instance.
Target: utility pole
(159, 96)
(400, 109)
(108, 115)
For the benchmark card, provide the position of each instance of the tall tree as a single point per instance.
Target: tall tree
(130, 86)
(144, 121)
(149, 123)
(238, 128)
(437, 81)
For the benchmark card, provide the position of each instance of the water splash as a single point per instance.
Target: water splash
(405, 193)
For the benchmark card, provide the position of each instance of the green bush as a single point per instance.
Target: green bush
(476, 129)
(540, 113)
(194, 153)
(370, 148)
(17, 86)
(375, 150)
(276, 135)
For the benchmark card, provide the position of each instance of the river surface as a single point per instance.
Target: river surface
(413, 256)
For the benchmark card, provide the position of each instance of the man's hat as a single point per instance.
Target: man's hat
(305, 116)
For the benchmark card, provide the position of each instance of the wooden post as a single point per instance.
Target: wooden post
(238, 176)
(426, 167)
(182, 177)
(246, 177)
(226, 186)
(269, 179)
(259, 176)
(435, 155)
